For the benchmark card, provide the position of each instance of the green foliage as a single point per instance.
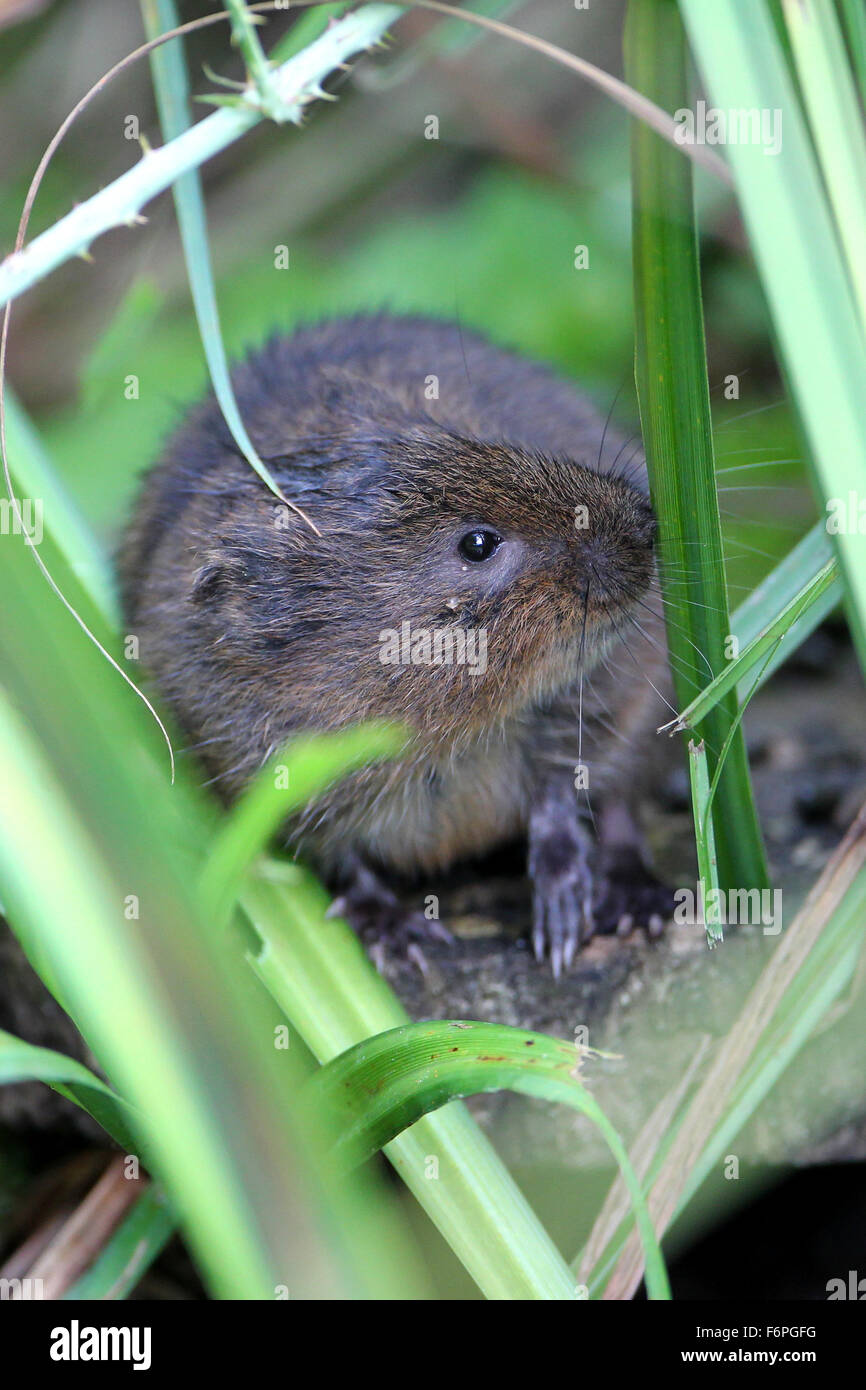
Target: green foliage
(181, 953)
(675, 413)
(384, 1084)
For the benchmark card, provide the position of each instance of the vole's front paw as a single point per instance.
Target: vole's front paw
(631, 896)
(562, 885)
(382, 921)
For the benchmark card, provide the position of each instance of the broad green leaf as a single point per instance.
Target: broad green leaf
(317, 971)
(385, 1084)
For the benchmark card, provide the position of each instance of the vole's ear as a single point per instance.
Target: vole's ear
(207, 583)
(227, 571)
(231, 594)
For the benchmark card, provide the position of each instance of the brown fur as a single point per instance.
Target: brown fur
(255, 628)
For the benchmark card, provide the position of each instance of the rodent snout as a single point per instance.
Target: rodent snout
(646, 526)
(615, 558)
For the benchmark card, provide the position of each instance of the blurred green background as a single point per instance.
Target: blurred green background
(480, 225)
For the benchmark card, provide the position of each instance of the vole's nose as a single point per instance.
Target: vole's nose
(615, 556)
(646, 526)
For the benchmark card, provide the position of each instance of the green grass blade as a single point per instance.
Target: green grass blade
(317, 971)
(779, 588)
(824, 586)
(837, 127)
(791, 233)
(22, 1061)
(377, 1089)
(141, 1236)
(853, 14)
(705, 842)
(35, 477)
(675, 417)
(292, 778)
(172, 96)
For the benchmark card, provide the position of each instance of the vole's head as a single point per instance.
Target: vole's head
(455, 582)
(542, 555)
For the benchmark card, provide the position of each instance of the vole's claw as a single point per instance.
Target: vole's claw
(557, 929)
(376, 951)
(579, 887)
(562, 880)
(416, 955)
(435, 930)
(562, 923)
(572, 934)
(395, 932)
(631, 896)
(384, 924)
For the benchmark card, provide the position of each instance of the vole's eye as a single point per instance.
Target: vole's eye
(479, 545)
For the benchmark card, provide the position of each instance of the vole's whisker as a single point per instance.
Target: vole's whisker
(690, 602)
(636, 453)
(227, 773)
(753, 449)
(635, 599)
(757, 487)
(788, 526)
(625, 644)
(746, 414)
(622, 448)
(203, 743)
(750, 467)
(607, 424)
(754, 550)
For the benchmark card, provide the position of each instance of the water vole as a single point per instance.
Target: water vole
(482, 545)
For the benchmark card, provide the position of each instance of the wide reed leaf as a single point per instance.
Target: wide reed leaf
(383, 1085)
(319, 974)
(675, 416)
